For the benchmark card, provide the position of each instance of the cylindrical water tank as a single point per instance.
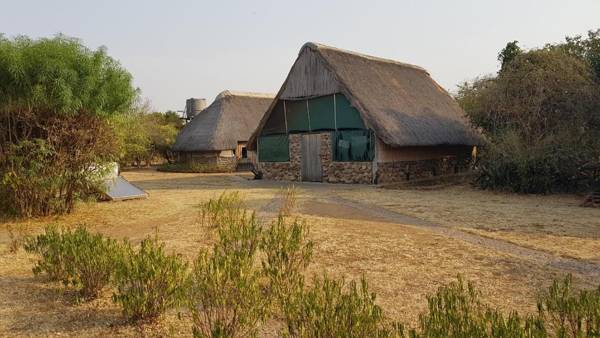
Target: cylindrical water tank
(194, 106)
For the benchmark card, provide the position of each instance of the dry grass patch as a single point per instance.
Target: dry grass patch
(554, 223)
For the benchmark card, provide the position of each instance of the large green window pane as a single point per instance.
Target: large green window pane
(297, 116)
(347, 116)
(322, 115)
(276, 122)
(273, 148)
(353, 145)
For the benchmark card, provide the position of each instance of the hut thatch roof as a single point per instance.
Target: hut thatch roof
(232, 117)
(400, 102)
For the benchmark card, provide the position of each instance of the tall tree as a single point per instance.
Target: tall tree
(55, 98)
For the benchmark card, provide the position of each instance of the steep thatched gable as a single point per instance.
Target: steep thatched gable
(230, 118)
(400, 102)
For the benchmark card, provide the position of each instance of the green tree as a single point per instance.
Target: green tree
(509, 53)
(56, 96)
(541, 119)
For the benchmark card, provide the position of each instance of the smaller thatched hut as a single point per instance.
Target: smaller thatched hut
(217, 136)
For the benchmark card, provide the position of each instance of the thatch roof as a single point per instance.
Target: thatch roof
(232, 117)
(400, 102)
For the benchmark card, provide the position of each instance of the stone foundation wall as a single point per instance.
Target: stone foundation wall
(333, 172)
(398, 171)
(343, 172)
(210, 159)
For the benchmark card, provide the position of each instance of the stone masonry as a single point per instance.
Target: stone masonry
(391, 172)
(333, 172)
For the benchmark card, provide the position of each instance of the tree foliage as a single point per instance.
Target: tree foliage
(541, 118)
(55, 98)
(143, 136)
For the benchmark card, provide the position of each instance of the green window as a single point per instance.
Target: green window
(276, 122)
(322, 113)
(274, 148)
(347, 116)
(297, 116)
(353, 145)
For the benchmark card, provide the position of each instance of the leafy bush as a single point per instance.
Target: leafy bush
(148, 281)
(334, 308)
(226, 209)
(224, 291)
(456, 311)
(287, 254)
(78, 258)
(92, 259)
(52, 248)
(571, 314)
(510, 163)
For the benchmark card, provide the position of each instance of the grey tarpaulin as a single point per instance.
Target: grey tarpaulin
(119, 189)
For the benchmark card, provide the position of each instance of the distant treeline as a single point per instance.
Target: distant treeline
(540, 115)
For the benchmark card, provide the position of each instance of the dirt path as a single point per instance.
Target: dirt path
(333, 205)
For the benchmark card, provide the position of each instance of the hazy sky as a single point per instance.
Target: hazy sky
(181, 49)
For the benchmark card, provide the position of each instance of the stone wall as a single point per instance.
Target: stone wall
(398, 171)
(343, 172)
(333, 172)
(211, 159)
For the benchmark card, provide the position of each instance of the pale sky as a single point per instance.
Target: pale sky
(181, 49)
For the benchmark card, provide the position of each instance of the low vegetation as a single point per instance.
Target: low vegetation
(540, 119)
(148, 281)
(255, 274)
(78, 258)
(193, 168)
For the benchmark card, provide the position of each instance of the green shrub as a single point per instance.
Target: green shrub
(224, 291)
(571, 314)
(148, 281)
(288, 200)
(93, 259)
(228, 208)
(195, 168)
(456, 311)
(512, 163)
(287, 254)
(334, 308)
(51, 246)
(78, 258)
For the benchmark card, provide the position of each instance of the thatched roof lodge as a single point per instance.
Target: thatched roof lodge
(217, 135)
(342, 116)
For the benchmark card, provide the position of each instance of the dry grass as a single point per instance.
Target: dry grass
(554, 223)
(402, 263)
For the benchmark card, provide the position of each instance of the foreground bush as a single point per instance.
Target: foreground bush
(334, 308)
(79, 258)
(456, 311)
(226, 209)
(287, 254)
(571, 314)
(148, 282)
(52, 248)
(224, 291)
